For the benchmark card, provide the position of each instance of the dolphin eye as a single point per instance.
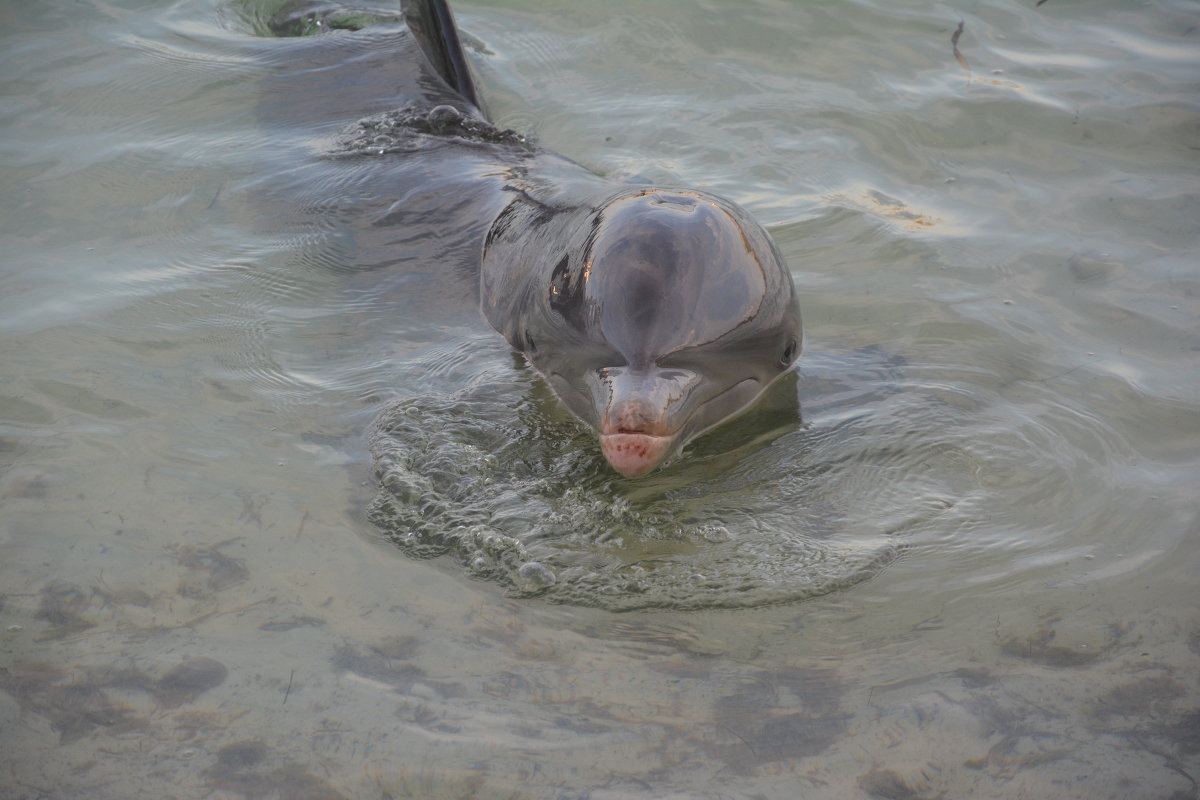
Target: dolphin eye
(789, 352)
(566, 292)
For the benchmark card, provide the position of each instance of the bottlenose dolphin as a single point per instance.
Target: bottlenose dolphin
(653, 312)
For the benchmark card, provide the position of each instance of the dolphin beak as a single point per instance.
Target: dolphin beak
(644, 411)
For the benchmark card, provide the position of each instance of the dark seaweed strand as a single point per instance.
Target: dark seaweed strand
(954, 43)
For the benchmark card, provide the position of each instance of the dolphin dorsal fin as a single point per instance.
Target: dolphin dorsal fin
(432, 25)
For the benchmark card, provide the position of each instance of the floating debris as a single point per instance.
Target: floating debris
(954, 43)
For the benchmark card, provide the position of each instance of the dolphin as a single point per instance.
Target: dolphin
(653, 312)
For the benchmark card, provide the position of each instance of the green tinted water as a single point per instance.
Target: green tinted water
(991, 510)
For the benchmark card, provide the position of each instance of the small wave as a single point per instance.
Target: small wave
(410, 129)
(497, 477)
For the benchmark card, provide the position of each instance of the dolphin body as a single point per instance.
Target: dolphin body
(654, 313)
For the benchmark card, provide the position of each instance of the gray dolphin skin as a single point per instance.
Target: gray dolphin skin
(654, 313)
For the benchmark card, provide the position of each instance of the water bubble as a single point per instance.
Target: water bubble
(443, 116)
(535, 574)
(715, 533)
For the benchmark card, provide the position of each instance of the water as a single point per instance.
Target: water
(969, 573)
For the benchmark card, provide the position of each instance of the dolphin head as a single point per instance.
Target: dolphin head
(667, 312)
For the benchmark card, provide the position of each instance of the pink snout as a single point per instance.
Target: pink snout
(635, 454)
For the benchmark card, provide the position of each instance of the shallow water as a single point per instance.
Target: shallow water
(969, 572)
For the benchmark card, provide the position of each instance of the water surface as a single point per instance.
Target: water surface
(969, 571)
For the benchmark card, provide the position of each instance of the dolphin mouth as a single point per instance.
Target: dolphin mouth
(635, 454)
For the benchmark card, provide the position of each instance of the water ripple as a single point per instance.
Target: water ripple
(759, 512)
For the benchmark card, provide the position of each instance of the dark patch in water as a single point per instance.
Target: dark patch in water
(62, 605)
(1040, 649)
(1139, 697)
(1186, 733)
(292, 624)
(291, 780)
(183, 682)
(975, 677)
(214, 571)
(507, 685)
(887, 785)
(74, 709)
(423, 716)
(241, 755)
(387, 662)
(398, 647)
(782, 716)
(122, 597)
(76, 704)
(29, 486)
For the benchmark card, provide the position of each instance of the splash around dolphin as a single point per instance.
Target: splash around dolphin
(654, 313)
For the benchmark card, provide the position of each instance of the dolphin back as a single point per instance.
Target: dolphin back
(433, 27)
